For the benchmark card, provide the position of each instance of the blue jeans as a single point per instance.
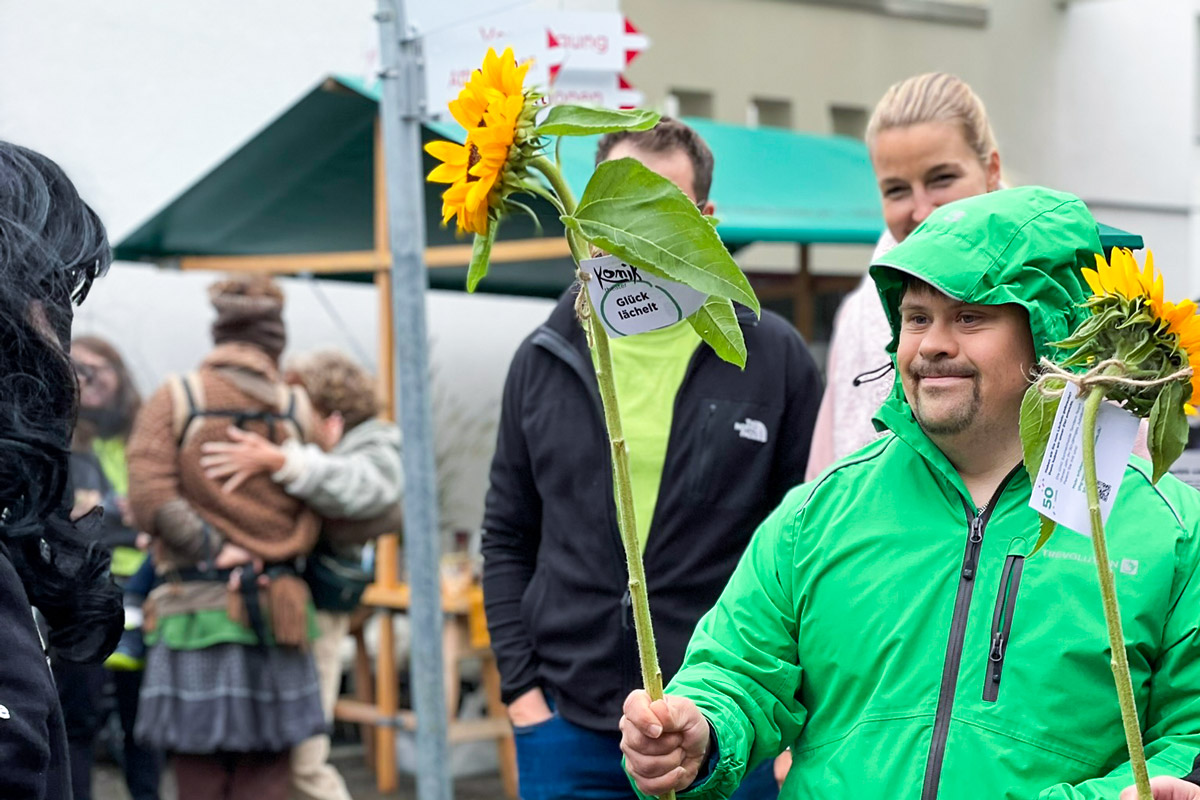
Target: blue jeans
(557, 760)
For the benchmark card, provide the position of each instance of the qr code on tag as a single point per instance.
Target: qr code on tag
(1103, 489)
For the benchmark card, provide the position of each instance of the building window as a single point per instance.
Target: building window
(956, 12)
(849, 121)
(771, 113)
(689, 103)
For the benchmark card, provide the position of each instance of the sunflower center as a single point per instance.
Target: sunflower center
(473, 158)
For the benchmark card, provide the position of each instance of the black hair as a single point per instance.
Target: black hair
(52, 246)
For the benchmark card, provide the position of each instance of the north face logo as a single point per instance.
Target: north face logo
(751, 429)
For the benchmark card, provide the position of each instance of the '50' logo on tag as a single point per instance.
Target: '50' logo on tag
(1048, 494)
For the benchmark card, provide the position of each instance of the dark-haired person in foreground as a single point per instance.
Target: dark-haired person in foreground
(712, 449)
(52, 246)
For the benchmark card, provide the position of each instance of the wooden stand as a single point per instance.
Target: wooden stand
(465, 636)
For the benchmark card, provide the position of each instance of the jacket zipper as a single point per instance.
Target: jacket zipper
(706, 455)
(976, 523)
(1006, 601)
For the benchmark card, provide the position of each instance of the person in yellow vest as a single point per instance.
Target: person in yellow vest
(108, 403)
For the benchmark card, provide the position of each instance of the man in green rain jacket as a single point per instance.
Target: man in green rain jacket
(885, 622)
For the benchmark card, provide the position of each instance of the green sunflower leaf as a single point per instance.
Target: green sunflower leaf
(481, 253)
(1037, 418)
(587, 121)
(646, 221)
(1047, 528)
(1168, 428)
(717, 324)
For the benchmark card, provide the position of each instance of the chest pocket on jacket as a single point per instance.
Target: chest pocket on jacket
(731, 465)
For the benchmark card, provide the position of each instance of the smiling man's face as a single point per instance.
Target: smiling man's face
(965, 368)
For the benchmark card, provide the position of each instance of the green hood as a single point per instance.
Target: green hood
(1023, 246)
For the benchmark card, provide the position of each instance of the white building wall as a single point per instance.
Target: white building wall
(1124, 131)
(1096, 97)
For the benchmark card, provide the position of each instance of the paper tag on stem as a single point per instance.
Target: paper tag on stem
(1059, 492)
(629, 301)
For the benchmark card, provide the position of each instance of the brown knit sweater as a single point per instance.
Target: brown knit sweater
(169, 493)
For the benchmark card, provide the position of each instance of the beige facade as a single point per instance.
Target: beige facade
(1098, 97)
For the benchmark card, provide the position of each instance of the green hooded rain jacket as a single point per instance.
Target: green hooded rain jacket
(897, 637)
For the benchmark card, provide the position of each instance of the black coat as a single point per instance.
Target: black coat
(554, 575)
(86, 473)
(33, 741)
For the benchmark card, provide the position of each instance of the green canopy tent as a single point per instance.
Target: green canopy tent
(304, 195)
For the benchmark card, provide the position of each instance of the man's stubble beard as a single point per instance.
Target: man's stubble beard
(957, 422)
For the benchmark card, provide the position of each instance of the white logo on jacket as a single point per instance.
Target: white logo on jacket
(751, 429)
(1124, 566)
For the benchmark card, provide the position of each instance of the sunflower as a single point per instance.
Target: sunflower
(498, 114)
(1139, 293)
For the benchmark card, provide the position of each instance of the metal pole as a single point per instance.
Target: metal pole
(403, 105)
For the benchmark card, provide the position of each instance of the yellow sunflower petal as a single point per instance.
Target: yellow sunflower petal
(1133, 282)
(478, 222)
(447, 173)
(1105, 271)
(449, 152)
(492, 67)
(466, 112)
(508, 75)
(1181, 313)
(1156, 292)
(1093, 280)
(478, 193)
(1189, 334)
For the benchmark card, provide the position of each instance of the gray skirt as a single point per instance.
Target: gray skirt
(228, 698)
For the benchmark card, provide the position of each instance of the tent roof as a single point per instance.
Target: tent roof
(771, 184)
(304, 184)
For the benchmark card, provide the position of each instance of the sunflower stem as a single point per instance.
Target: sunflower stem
(643, 628)
(622, 478)
(1108, 593)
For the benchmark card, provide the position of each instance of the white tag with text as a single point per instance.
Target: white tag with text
(629, 301)
(1059, 491)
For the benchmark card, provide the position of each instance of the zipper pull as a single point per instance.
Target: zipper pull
(997, 653)
(996, 656)
(974, 539)
(626, 610)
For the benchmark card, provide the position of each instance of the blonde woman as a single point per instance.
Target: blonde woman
(930, 144)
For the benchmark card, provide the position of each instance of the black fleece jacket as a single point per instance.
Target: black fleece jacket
(554, 574)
